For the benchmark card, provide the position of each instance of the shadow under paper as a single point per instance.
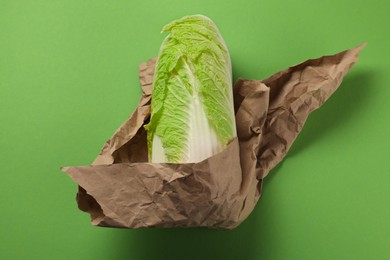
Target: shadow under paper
(191, 243)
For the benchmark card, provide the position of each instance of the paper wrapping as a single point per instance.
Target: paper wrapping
(122, 189)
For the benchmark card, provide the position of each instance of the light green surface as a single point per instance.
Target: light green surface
(68, 79)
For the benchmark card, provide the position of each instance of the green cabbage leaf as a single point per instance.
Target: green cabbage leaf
(192, 113)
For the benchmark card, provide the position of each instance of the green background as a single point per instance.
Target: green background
(68, 79)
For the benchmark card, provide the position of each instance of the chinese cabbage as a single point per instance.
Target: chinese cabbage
(192, 113)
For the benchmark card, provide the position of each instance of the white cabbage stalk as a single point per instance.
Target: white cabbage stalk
(192, 113)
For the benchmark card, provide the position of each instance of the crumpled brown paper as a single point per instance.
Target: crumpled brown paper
(121, 189)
